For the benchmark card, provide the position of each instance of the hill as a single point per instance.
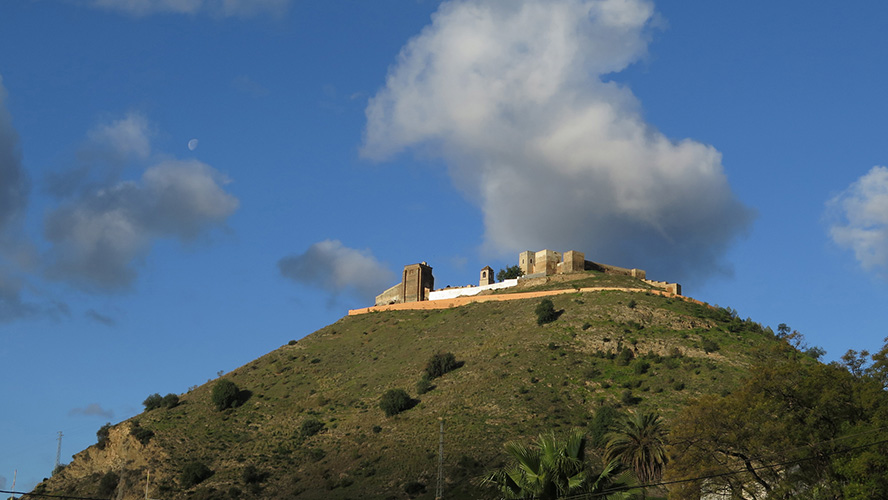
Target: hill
(310, 425)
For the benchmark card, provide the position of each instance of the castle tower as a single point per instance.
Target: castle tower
(416, 283)
(486, 276)
(547, 262)
(525, 262)
(574, 262)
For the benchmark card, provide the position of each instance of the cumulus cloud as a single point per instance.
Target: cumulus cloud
(337, 268)
(859, 219)
(514, 96)
(99, 237)
(93, 410)
(223, 8)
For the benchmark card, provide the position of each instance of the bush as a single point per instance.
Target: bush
(103, 435)
(641, 367)
(632, 304)
(709, 345)
(414, 488)
(251, 475)
(395, 401)
(108, 484)
(194, 473)
(424, 385)
(310, 427)
(224, 395)
(153, 402)
(441, 363)
(170, 401)
(545, 312)
(142, 434)
(59, 469)
(625, 357)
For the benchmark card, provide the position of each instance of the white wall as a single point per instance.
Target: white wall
(451, 293)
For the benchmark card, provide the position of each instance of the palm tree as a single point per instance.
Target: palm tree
(548, 469)
(640, 445)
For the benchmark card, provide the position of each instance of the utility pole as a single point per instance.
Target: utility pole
(439, 489)
(58, 452)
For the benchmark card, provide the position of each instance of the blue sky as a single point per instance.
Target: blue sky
(174, 174)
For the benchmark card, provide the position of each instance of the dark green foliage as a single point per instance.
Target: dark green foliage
(194, 473)
(225, 395)
(153, 402)
(625, 357)
(604, 421)
(102, 435)
(509, 273)
(678, 386)
(632, 304)
(441, 363)
(108, 484)
(310, 427)
(292, 342)
(545, 312)
(424, 384)
(395, 401)
(142, 434)
(252, 475)
(170, 401)
(641, 367)
(414, 488)
(376, 429)
(628, 399)
(709, 345)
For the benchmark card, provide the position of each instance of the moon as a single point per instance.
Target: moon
(192, 144)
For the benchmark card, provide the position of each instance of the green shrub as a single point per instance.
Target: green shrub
(395, 401)
(108, 484)
(625, 357)
(142, 434)
(310, 427)
(641, 367)
(225, 395)
(103, 435)
(170, 401)
(194, 473)
(424, 385)
(153, 402)
(441, 363)
(678, 386)
(414, 488)
(632, 304)
(603, 421)
(709, 345)
(251, 475)
(628, 399)
(545, 312)
(376, 429)
(509, 273)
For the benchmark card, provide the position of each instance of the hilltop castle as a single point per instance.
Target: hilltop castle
(418, 283)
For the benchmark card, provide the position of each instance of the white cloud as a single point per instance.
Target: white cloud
(512, 95)
(98, 238)
(337, 268)
(223, 8)
(124, 138)
(859, 217)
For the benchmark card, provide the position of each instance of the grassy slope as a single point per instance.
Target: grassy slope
(518, 380)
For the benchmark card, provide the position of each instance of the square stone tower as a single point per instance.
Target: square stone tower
(417, 282)
(546, 262)
(574, 262)
(487, 277)
(525, 262)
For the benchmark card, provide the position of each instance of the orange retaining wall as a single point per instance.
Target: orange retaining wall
(461, 301)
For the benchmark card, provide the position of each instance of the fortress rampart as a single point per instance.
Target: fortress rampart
(417, 282)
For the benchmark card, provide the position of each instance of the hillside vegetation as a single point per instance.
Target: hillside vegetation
(307, 421)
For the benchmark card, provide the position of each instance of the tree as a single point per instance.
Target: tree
(548, 469)
(152, 402)
(545, 312)
(394, 401)
(509, 273)
(640, 444)
(225, 394)
(103, 435)
(441, 363)
(170, 401)
(194, 473)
